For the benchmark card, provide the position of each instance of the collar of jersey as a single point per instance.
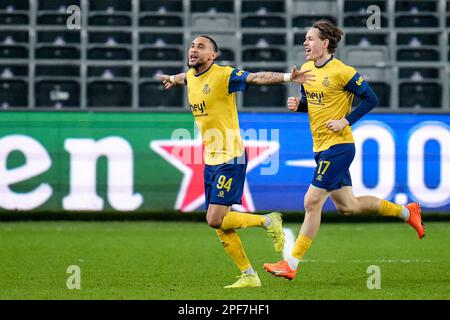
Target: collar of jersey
(198, 75)
(326, 62)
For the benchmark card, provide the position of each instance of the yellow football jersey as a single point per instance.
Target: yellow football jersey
(212, 100)
(328, 100)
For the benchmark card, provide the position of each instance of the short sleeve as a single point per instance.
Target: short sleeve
(238, 81)
(346, 73)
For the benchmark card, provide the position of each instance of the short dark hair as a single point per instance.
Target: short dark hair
(213, 42)
(327, 30)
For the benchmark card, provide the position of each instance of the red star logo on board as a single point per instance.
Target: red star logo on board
(187, 157)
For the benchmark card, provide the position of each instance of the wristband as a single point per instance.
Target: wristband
(287, 77)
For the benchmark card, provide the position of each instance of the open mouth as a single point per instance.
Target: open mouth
(308, 51)
(193, 57)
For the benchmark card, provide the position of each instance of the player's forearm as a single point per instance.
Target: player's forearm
(369, 100)
(260, 78)
(179, 79)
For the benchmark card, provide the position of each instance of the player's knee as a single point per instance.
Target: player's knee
(214, 222)
(312, 204)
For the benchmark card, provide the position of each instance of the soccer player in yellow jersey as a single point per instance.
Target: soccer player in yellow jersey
(212, 98)
(328, 101)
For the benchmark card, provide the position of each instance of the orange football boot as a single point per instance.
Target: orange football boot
(280, 269)
(415, 218)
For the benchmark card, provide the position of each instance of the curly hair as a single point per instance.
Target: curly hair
(328, 30)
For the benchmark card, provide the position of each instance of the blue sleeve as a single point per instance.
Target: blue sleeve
(303, 106)
(303, 95)
(238, 80)
(358, 86)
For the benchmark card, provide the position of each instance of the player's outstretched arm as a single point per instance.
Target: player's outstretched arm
(262, 78)
(171, 81)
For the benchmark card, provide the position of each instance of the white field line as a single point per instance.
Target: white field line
(290, 241)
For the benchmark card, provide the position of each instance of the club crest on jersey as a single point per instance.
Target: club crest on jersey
(326, 82)
(206, 89)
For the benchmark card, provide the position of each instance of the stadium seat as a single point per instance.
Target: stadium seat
(14, 19)
(59, 37)
(418, 39)
(104, 53)
(267, 54)
(417, 21)
(225, 56)
(56, 5)
(13, 71)
(214, 22)
(152, 94)
(52, 19)
(212, 15)
(418, 54)
(111, 45)
(303, 21)
(57, 52)
(160, 39)
(57, 71)
(110, 6)
(57, 93)
(418, 73)
(420, 94)
(108, 72)
(366, 40)
(13, 44)
(374, 55)
(317, 7)
(13, 52)
(161, 21)
(360, 6)
(263, 40)
(374, 75)
(15, 5)
(111, 38)
(8, 37)
(161, 6)
(109, 94)
(110, 20)
(272, 6)
(263, 21)
(217, 6)
(415, 7)
(161, 54)
(265, 96)
(13, 93)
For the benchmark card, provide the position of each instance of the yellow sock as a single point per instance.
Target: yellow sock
(389, 209)
(302, 245)
(233, 246)
(237, 220)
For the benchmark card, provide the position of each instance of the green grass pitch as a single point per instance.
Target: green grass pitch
(184, 260)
